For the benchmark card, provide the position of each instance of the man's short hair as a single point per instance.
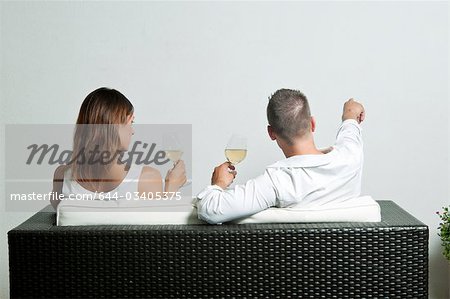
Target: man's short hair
(288, 114)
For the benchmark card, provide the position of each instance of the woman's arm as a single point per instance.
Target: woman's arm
(150, 181)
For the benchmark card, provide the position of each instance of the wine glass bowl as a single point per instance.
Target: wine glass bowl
(174, 155)
(172, 147)
(236, 149)
(173, 150)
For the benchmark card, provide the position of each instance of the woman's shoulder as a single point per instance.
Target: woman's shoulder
(58, 180)
(59, 172)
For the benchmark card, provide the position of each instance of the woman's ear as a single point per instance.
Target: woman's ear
(272, 134)
(313, 124)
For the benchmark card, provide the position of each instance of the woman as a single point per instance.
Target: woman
(101, 139)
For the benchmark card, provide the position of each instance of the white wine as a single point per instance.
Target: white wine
(235, 156)
(174, 155)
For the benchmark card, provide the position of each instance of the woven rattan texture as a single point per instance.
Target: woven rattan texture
(322, 260)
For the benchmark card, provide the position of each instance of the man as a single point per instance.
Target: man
(308, 177)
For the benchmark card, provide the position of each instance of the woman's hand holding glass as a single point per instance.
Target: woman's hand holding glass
(175, 177)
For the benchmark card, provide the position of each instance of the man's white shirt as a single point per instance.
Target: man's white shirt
(297, 181)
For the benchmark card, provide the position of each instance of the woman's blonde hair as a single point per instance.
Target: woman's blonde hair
(97, 135)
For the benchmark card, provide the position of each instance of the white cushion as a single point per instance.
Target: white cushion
(360, 209)
(96, 212)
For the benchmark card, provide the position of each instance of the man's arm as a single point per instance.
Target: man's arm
(216, 205)
(349, 136)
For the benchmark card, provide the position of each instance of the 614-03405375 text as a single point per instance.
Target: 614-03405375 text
(33, 196)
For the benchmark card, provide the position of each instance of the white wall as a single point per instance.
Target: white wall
(213, 65)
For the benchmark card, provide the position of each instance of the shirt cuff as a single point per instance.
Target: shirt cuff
(351, 121)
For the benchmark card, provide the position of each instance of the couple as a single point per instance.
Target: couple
(307, 177)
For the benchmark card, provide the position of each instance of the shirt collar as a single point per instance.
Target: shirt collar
(305, 160)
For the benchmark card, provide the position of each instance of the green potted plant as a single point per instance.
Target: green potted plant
(444, 231)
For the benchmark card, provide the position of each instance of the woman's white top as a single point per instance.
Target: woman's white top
(120, 206)
(127, 188)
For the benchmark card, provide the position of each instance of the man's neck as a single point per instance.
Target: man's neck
(301, 147)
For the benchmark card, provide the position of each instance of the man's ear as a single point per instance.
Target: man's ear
(271, 133)
(313, 124)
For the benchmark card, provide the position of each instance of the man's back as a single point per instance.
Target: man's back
(314, 180)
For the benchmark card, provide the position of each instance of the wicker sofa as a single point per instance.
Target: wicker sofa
(388, 259)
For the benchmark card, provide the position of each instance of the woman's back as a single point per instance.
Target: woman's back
(120, 189)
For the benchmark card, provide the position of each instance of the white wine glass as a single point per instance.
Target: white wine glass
(172, 147)
(236, 149)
